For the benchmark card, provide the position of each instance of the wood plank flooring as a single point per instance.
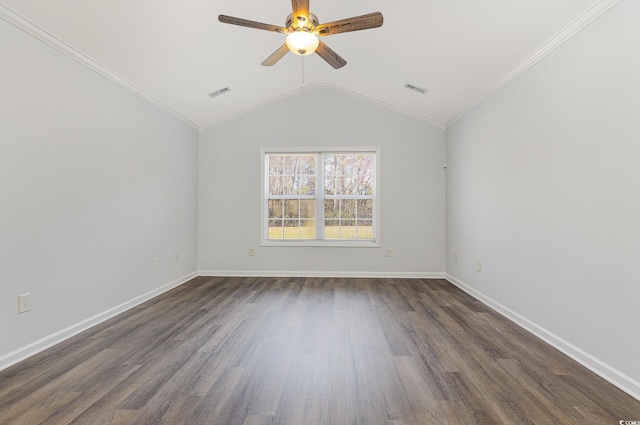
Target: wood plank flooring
(255, 351)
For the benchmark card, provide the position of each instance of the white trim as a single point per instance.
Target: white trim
(597, 366)
(46, 37)
(556, 41)
(349, 274)
(42, 344)
(334, 243)
(614, 376)
(320, 242)
(566, 33)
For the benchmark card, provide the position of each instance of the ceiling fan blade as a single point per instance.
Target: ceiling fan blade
(332, 58)
(276, 56)
(300, 8)
(251, 24)
(362, 22)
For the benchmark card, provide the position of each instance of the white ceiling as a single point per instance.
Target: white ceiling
(176, 52)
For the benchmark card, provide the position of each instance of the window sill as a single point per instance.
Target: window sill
(321, 243)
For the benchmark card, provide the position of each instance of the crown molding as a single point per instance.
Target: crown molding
(43, 35)
(36, 31)
(556, 41)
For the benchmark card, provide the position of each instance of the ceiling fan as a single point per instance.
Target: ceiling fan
(302, 29)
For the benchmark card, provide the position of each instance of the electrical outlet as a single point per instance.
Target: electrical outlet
(455, 257)
(389, 252)
(251, 252)
(479, 266)
(156, 263)
(24, 303)
(177, 258)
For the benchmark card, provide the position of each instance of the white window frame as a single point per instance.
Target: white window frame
(264, 220)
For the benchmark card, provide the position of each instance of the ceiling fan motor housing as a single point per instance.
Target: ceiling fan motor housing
(301, 23)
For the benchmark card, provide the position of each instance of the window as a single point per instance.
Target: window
(320, 198)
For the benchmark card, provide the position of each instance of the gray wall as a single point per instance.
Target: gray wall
(94, 184)
(411, 193)
(542, 187)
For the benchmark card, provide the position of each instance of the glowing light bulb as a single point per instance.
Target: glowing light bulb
(302, 42)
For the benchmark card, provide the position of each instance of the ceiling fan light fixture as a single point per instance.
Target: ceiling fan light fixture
(303, 28)
(302, 42)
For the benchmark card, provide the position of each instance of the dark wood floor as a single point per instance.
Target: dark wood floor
(252, 351)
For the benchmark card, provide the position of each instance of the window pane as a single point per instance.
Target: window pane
(307, 229)
(330, 186)
(291, 208)
(308, 208)
(275, 185)
(308, 164)
(350, 186)
(330, 174)
(348, 229)
(347, 208)
(307, 185)
(349, 174)
(289, 184)
(294, 165)
(329, 165)
(365, 229)
(365, 208)
(290, 164)
(275, 165)
(275, 229)
(275, 208)
(332, 229)
(365, 186)
(331, 208)
(341, 185)
(291, 229)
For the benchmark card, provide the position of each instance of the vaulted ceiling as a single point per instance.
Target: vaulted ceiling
(174, 53)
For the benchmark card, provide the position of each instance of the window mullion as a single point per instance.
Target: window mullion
(320, 196)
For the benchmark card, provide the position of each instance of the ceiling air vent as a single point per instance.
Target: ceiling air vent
(415, 88)
(219, 92)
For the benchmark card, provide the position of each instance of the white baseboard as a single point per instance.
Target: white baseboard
(614, 376)
(42, 344)
(617, 378)
(363, 274)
